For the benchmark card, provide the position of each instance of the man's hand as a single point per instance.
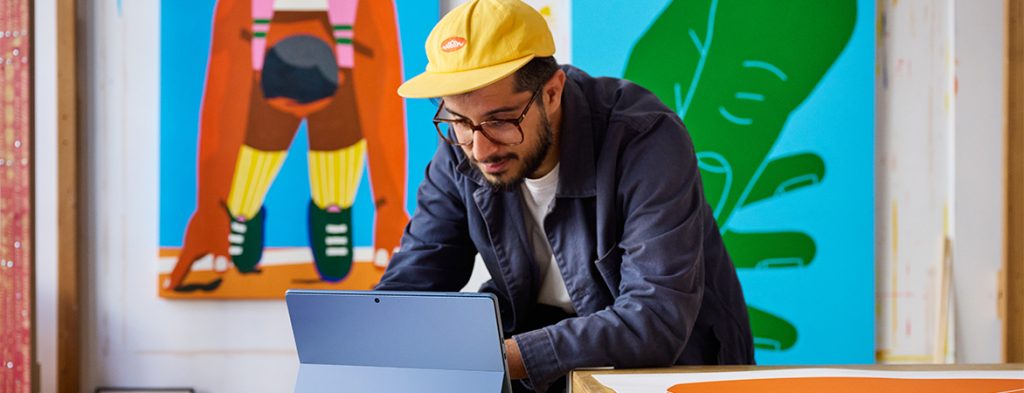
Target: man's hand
(516, 369)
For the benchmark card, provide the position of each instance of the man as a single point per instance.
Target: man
(583, 198)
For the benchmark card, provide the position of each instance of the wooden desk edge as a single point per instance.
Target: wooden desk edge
(583, 380)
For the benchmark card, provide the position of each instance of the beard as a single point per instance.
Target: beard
(531, 160)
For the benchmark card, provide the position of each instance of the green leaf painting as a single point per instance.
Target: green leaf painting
(735, 70)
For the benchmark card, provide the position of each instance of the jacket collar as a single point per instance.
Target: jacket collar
(576, 159)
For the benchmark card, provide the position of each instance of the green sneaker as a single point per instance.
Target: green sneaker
(330, 237)
(245, 240)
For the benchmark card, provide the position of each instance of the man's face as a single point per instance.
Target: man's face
(504, 167)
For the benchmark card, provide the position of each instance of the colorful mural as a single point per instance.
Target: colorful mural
(296, 98)
(775, 96)
(778, 98)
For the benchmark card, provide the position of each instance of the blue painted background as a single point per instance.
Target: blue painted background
(831, 302)
(185, 45)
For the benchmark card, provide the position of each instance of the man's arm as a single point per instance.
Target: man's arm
(436, 252)
(516, 368)
(662, 269)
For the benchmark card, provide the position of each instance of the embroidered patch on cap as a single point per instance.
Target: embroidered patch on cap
(452, 44)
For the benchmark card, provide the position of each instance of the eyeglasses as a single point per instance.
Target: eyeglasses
(505, 132)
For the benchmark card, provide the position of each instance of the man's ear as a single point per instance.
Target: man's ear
(552, 92)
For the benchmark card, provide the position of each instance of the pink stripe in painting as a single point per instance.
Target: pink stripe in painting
(342, 12)
(261, 9)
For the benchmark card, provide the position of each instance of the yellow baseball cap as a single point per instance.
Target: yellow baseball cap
(479, 43)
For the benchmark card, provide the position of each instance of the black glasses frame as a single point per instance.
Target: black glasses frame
(452, 139)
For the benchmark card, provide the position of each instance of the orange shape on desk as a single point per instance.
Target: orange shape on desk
(847, 384)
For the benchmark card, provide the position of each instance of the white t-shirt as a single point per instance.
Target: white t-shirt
(538, 194)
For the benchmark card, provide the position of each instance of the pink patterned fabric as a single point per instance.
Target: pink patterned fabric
(16, 162)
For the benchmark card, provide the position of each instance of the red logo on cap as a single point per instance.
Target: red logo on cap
(453, 44)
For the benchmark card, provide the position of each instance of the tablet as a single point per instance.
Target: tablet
(377, 341)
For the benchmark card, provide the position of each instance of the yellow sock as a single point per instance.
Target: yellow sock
(254, 172)
(334, 175)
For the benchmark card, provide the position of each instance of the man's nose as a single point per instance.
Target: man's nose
(483, 148)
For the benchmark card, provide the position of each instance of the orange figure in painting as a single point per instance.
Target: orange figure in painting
(273, 64)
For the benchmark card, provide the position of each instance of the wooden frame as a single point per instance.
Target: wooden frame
(1014, 323)
(68, 196)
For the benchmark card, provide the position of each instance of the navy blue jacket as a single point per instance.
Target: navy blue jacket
(632, 234)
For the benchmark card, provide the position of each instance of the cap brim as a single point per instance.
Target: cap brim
(440, 84)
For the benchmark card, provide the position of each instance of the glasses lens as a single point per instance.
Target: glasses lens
(455, 133)
(504, 132)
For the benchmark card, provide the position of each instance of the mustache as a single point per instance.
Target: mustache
(495, 158)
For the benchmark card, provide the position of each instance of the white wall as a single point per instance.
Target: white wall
(940, 175)
(913, 137)
(45, 51)
(980, 178)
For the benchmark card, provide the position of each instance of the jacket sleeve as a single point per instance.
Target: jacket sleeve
(436, 252)
(662, 266)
